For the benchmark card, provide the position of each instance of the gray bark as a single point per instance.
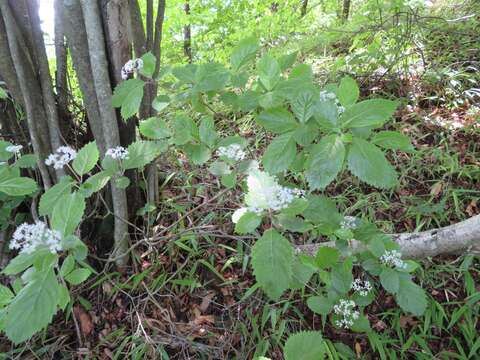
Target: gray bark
(98, 59)
(460, 238)
(61, 57)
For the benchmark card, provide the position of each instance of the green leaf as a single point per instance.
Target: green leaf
(3, 93)
(244, 52)
(303, 106)
(51, 197)
(286, 61)
(361, 325)
(67, 265)
(348, 91)
(68, 213)
(301, 274)
(184, 129)
(128, 96)
(86, 159)
(277, 120)
(5, 296)
(122, 182)
(342, 277)
(279, 154)
(292, 223)
(305, 134)
(411, 297)
(27, 161)
(393, 140)
(372, 113)
(368, 163)
(149, 61)
(219, 168)
(185, 73)
(4, 154)
(268, 71)
(78, 276)
(325, 162)
(23, 261)
(154, 128)
(323, 213)
(320, 305)
(272, 261)
(390, 280)
(141, 153)
(160, 102)
(33, 307)
(326, 114)
(248, 223)
(229, 180)
(305, 345)
(18, 186)
(93, 184)
(327, 257)
(198, 153)
(207, 132)
(210, 77)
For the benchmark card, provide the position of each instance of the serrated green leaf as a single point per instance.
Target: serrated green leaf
(327, 257)
(207, 132)
(128, 97)
(277, 120)
(160, 102)
(185, 73)
(18, 186)
(286, 61)
(342, 277)
(210, 77)
(390, 280)
(219, 168)
(93, 184)
(149, 61)
(279, 154)
(198, 153)
(244, 52)
(122, 182)
(326, 114)
(272, 261)
(323, 212)
(229, 180)
(5, 296)
(184, 129)
(67, 265)
(26, 161)
(305, 134)
(305, 345)
(268, 71)
(325, 162)
(86, 159)
(141, 153)
(411, 297)
(320, 305)
(248, 223)
(301, 274)
(303, 106)
(78, 276)
(50, 198)
(154, 128)
(368, 163)
(393, 140)
(68, 213)
(369, 113)
(348, 91)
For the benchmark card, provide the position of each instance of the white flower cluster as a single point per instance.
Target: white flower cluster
(327, 95)
(416, 4)
(61, 157)
(363, 287)
(345, 310)
(393, 258)
(29, 237)
(14, 149)
(131, 66)
(349, 222)
(118, 152)
(233, 152)
(265, 193)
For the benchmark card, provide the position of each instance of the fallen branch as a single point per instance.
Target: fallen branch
(460, 238)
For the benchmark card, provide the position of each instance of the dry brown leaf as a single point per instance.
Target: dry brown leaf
(86, 324)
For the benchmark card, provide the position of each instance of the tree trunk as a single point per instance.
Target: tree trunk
(61, 86)
(303, 11)
(461, 238)
(346, 10)
(187, 35)
(101, 79)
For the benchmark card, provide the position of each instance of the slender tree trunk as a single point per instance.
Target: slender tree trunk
(346, 10)
(303, 10)
(61, 86)
(98, 59)
(187, 35)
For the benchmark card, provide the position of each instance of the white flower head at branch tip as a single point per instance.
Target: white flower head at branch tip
(345, 309)
(130, 67)
(265, 193)
(232, 152)
(117, 153)
(349, 222)
(363, 287)
(30, 237)
(14, 149)
(393, 258)
(62, 156)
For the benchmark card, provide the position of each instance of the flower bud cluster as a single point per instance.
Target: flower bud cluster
(130, 67)
(62, 156)
(363, 287)
(393, 258)
(327, 95)
(345, 309)
(232, 152)
(117, 153)
(14, 149)
(349, 222)
(29, 237)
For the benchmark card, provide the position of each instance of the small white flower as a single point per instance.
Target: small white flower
(62, 156)
(345, 309)
(131, 66)
(393, 258)
(117, 153)
(29, 237)
(238, 214)
(265, 193)
(363, 287)
(349, 222)
(14, 149)
(232, 152)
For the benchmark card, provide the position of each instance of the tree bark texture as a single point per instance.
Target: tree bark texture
(187, 35)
